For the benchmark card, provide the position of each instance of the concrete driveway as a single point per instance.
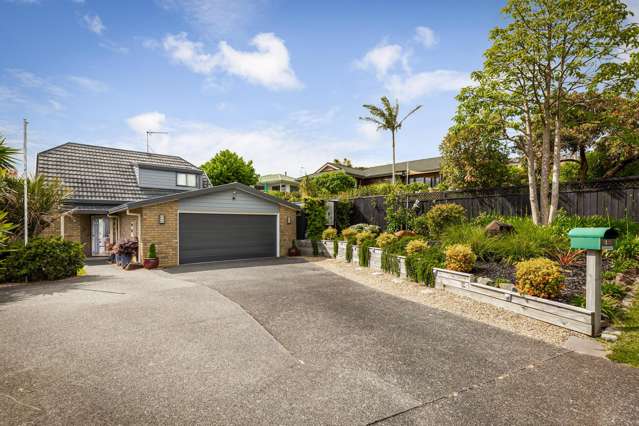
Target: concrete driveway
(279, 342)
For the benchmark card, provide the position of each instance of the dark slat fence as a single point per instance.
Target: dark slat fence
(617, 198)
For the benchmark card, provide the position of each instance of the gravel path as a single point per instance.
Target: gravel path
(447, 301)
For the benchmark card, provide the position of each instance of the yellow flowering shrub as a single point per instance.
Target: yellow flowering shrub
(539, 277)
(385, 239)
(416, 246)
(460, 258)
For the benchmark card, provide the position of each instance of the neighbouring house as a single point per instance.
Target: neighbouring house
(426, 170)
(119, 194)
(278, 182)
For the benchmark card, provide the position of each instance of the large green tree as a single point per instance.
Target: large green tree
(387, 118)
(475, 150)
(334, 182)
(549, 50)
(227, 167)
(602, 134)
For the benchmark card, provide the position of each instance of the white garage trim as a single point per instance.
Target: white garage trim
(277, 226)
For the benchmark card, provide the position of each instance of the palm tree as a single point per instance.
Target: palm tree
(385, 117)
(6, 155)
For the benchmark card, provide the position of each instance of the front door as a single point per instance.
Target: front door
(99, 235)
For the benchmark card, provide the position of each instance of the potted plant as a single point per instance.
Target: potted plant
(127, 249)
(152, 261)
(294, 251)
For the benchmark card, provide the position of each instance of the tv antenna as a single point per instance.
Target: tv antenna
(148, 133)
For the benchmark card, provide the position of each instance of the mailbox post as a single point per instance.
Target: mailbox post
(594, 241)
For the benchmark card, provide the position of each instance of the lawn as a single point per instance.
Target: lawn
(626, 349)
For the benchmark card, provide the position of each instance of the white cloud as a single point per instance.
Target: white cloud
(381, 58)
(296, 146)
(368, 131)
(55, 105)
(113, 47)
(424, 83)
(89, 84)
(32, 81)
(308, 118)
(404, 84)
(425, 36)
(214, 17)
(147, 121)
(189, 53)
(94, 23)
(268, 65)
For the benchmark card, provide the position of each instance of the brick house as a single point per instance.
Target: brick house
(120, 194)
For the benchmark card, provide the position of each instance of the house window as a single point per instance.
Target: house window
(186, 179)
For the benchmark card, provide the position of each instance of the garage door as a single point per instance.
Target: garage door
(210, 237)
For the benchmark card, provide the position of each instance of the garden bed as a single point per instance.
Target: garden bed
(562, 314)
(575, 274)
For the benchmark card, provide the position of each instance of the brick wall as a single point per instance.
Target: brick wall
(52, 230)
(164, 236)
(76, 228)
(287, 230)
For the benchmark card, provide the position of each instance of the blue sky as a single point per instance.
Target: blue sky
(280, 82)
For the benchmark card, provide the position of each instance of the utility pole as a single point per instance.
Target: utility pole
(26, 185)
(149, 132)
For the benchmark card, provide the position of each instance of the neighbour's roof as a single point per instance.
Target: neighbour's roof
(276, 178)
(98, 173)
(204, 191)
(423, 165)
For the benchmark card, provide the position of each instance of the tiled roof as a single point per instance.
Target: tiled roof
(423, 165)
(277, 178)
(107, 174)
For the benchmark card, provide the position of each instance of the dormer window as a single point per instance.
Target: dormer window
(187, 179)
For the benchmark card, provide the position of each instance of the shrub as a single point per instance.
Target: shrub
(420, 225)
(373, 229)
(539, 277)
(342, 214)
(335, 248)
(360, 237)
(613, 290)
(626, 254)
(334, 182)
(398, 216)
(315, 211)
(348, 234)
(528, 241)
(329, 234)
(416, 246)
(442, 216)
(609, 305)
(43, 259)
(564, 222)
(363, 253)
(385, 239)
(460, 258)
(399, 246)
(349, 251)
(152, 251)
(419, 266)
(390, 263)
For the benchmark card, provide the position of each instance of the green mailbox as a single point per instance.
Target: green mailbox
(593, 238)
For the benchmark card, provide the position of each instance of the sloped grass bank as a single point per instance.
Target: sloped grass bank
(626, 348)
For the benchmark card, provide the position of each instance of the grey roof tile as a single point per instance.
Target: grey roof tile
(94, 172)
